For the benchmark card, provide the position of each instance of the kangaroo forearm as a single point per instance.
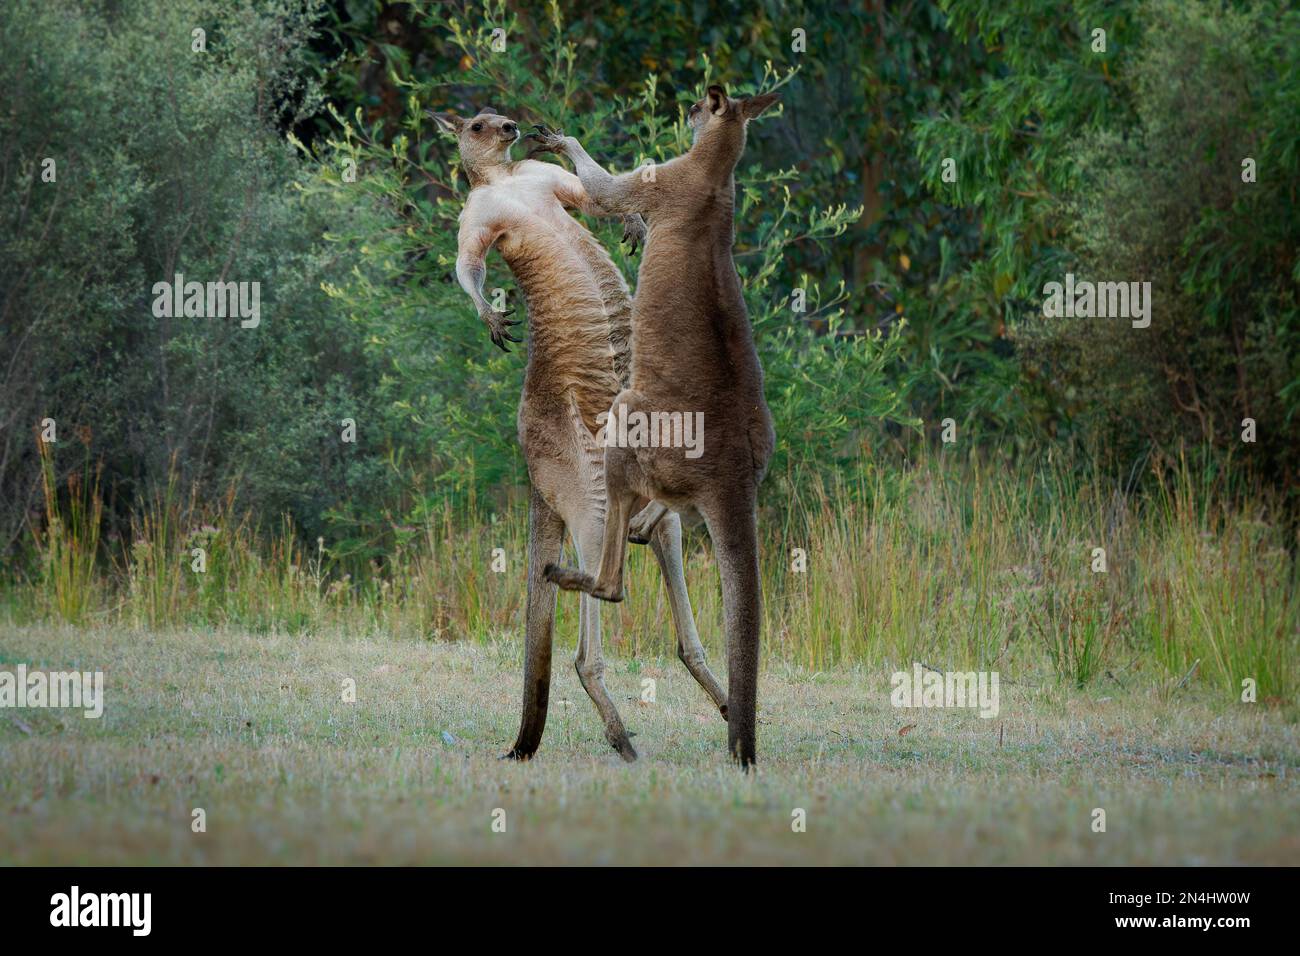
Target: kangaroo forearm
(632, 221)
(590, 207)
(629, 219)
(471, 273)
(615, 194)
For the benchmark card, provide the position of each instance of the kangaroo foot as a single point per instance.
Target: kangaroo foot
(640, 528)
(522, 749)
(623, 746)
(643, 523)
(742, 755)
(571, 579)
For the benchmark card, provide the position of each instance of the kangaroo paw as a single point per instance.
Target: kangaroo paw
(545, 140)
(570, 579)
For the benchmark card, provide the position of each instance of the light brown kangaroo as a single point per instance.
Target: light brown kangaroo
(579, 316)
(692, 351)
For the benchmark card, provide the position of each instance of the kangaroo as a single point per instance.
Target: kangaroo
(579, 315)
(692, 351)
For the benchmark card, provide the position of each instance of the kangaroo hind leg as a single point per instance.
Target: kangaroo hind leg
(605, 578)
(545, 538)
(734, 530)
(590, 659)
(666, 543)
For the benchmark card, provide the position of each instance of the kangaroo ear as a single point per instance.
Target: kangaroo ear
(718, 101)
(447, 122)
(756, 105)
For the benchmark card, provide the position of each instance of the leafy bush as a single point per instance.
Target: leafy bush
(1164, 200)
(457, 393)
(1125, 164)
(168, 161)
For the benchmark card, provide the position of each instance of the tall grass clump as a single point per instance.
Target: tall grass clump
(1040, 570)
(1222, 590)
(959, 564)
(67, 542)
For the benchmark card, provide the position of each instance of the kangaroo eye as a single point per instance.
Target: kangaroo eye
(477, 127)
(695, 108)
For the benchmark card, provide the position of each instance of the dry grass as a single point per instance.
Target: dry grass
(253, 730)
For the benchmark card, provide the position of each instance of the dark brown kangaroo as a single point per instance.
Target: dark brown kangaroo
(692, 351)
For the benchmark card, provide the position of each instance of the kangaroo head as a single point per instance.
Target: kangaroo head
(485, 139)
(718, 122)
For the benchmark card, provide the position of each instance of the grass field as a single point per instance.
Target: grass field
(253, 729)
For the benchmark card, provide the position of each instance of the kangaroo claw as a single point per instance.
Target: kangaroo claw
(547, 140)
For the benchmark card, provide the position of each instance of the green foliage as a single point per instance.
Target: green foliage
(458, 394)
(913, 244)
(923, 296)
(168, 161)
(1125, 165)
(1164, 200)
(1009, 140)
(923, 299)
(172, 160)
